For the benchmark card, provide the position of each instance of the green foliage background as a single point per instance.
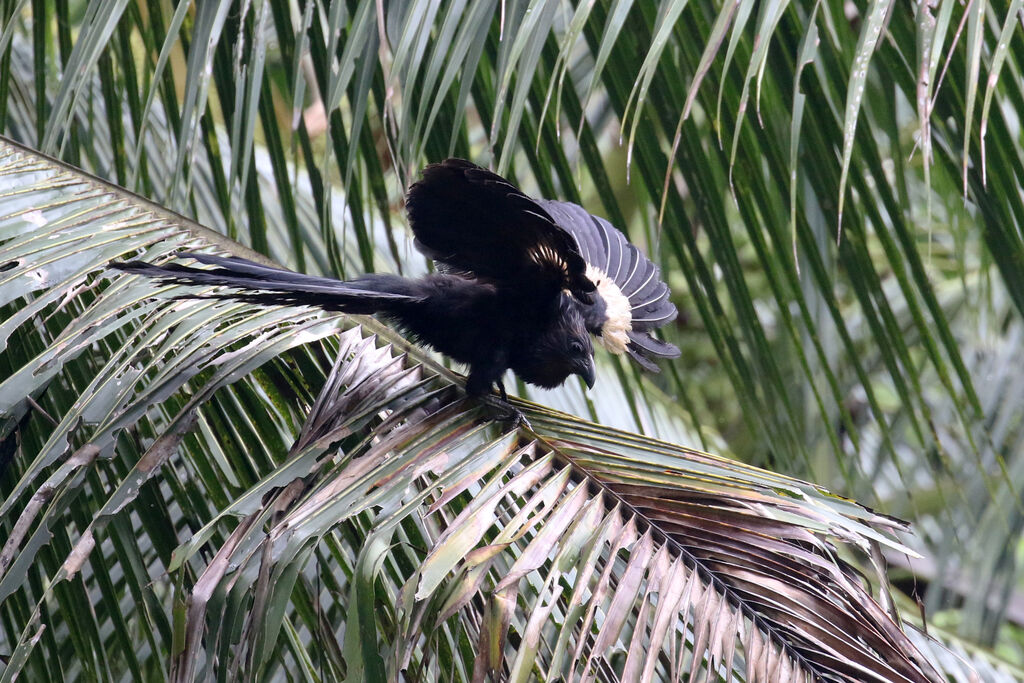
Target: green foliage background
(833, 190)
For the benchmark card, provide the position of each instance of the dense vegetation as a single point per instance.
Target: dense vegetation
(194, 489)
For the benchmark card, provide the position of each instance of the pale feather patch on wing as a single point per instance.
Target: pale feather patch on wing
(619, 321)
(544, 255)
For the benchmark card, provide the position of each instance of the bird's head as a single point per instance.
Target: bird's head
(581, 354)
(577, 348)
(563, 349)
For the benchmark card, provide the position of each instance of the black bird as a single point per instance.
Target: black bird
(522, 283)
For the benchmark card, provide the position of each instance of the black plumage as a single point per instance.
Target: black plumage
(633, 274)
(522, 282)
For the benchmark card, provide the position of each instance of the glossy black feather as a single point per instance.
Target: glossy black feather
(476, 222)
(514, 295)
(259, 284)
(488, 328)
(636, 276)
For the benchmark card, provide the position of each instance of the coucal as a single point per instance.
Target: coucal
(522, 283)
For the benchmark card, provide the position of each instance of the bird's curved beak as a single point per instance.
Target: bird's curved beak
(587, 373)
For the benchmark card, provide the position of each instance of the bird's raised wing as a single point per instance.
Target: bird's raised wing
(631, 298)
(476, 222)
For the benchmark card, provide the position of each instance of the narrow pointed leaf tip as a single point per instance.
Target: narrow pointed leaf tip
(397, 502)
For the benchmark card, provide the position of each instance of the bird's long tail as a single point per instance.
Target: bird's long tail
(251, 282)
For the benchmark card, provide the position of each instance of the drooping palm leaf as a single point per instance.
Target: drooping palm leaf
(861, 366)
(340, 66)
(412, 500)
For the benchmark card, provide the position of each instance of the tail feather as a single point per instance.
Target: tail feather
(651, 346)
(255, 283)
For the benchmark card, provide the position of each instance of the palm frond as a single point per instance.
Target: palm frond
(412, 500)
(866, 365)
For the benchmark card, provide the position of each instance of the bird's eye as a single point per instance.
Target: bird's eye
(576, 347)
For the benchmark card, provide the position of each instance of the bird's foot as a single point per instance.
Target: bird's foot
(506, 412)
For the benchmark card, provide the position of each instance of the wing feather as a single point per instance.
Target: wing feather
(475, 222)
(635, 276)
(642, 360)
(646, 285)
(650, 346)
(635, 259)
(590, 245)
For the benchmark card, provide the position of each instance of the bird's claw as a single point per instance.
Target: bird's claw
(506, 412)
(518, 419)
